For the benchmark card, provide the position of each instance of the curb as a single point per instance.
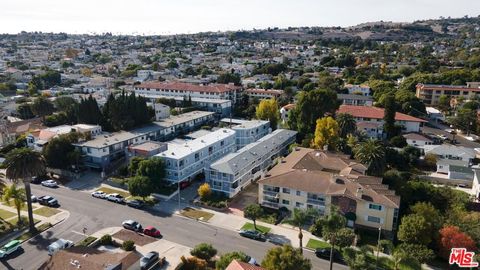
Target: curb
(52, 225)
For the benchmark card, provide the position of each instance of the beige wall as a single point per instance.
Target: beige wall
(386, 214)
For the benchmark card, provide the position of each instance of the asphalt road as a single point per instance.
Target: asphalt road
(95, 214)
(459, 139)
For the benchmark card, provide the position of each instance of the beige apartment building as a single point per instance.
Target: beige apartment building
(430, 93)
(309, 178)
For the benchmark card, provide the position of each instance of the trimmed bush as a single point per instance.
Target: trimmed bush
(128, 245)
(106, 240)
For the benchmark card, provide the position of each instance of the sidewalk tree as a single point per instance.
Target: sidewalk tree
(399, 256)
(153, 168)
(140, 186)
(285, 258)
(344, 237)
(268, 110)
(333, 227)
(204, 251)
(133, 165)
(227, 258)
(204, 191)
(326, 132)
(253, 211)
(356, 260)
(23, 164)
(452, 237)
(17, 195)
(299, 218)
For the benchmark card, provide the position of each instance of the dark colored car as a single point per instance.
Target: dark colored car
(252, 235)
(148, 260)
(36, 180)
(324, 253)
(132, 225)
(48, 201)
(135, 203)
(185, 184)
(151, 231)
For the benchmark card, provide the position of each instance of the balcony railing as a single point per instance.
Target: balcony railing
(270, 193)
(270, 204)
(316, 202)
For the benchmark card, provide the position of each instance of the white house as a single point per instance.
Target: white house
(356, 100)
(263, 93)
(417, 140)
(476, 182)
(452, 152)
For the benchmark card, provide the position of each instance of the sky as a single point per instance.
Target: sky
(147, 17)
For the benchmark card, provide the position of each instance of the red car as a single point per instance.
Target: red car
(152, 231)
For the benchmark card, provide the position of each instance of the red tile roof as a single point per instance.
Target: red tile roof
(215, 88)
(374, 113)
(237, 265)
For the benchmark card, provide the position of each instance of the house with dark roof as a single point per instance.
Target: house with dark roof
(309, 178)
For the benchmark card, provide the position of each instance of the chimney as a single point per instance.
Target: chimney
(359, 192)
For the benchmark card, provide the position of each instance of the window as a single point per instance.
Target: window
(299, 204)
(375, 206)
(286, 190)
(373, 219)
(287, 202)
(299, 193)
(222, 143)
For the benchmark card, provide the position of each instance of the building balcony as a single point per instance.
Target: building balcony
(270, 193)
(316, 202)
(270, 204)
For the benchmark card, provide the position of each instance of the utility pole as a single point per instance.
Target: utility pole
(378, 246)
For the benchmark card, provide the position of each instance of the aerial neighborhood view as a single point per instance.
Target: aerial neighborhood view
(239, 135)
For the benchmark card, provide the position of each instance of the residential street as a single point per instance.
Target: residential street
(95, 214)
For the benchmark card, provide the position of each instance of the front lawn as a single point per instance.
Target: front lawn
(46, 211)
(4, 214)
(107, 190)
(14, 221)
(260, 228)
(24, 207)
(196, 214)
(314, 244)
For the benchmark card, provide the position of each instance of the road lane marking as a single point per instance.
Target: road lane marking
(79, 233)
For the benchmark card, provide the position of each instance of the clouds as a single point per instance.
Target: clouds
(188, 16)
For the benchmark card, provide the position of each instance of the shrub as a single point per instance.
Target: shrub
(86, 242)
(106, 240)
(204, 251)
(128, 245)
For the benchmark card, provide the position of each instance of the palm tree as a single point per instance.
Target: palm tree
(346, 123)
(371, 153)
(331, 226)
(298, 219)
(23, 164)
(16, 194)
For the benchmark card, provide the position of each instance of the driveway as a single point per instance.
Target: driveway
(247, 196)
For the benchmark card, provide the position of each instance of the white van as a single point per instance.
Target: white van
(59, 244)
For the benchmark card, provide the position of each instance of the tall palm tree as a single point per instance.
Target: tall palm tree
(23, 164)
(16, 194)
(331, 226)
(299, 218)
(346, 123)
(371, 153)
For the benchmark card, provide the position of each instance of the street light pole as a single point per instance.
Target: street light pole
(178, 191)
(378, 246)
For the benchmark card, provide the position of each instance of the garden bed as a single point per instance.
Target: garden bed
(86, 241)
(196, 214)
(314, 244)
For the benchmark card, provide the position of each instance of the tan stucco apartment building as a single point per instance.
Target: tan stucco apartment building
(309, 178)
(430, 93)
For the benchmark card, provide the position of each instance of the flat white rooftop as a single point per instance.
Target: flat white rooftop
(179, 151)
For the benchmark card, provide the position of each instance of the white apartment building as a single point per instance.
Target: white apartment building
(248, 131)
(183, 161)
(263, 93)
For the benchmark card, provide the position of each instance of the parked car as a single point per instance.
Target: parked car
(278, 240)
(49, 183)
(58, 245)
(324, 253)
(252, 261)
(135, 203)
(9, 248)
(132, 225)
(148, 260)
(185, 184)
(443, 137)
(99, 194)
(255, 235)
(36, 180)
(115, 197)
(34, 198)
(151, 231)
(48, 201)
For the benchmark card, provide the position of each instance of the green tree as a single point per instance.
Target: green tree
(42, 107)
(356, 260)
(90, 112)
(227, 258)
(253, 211)
(285, 258)
(346, 124)
(332, 230)
(465, 119)
(414, 229)
(204, 251)
(344, 237)
(22, 164)
(299, 218)
(311, 106)
(372, 154)
(25, 111)
(326, 133)
(268, 110)
(389, 117)
(443, 103)
(63, 103)
(133, 165)
(17, 195)
(57, 151)
(193, 263)
(153, 168)
(140, 186)
(229, 78)
(420, 253)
